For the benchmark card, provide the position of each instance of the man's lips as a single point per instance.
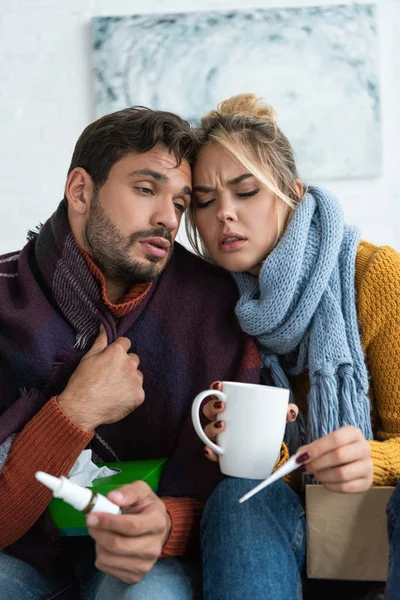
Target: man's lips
(156, 246)
(230, 241)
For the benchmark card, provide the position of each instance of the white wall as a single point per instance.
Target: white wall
(46, 100)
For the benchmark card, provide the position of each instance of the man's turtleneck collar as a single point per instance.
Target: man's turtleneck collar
(129, 301)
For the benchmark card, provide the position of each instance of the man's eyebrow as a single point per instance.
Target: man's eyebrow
(150, 173)
(186, 191)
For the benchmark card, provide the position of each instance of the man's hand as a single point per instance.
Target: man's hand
(105, 387)
(341, 461)
(128, 545)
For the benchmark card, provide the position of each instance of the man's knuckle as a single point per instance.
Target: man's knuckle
(99, 564)
(155, 551)
(142, 486)
(116, 545)
(132, 528)
(115, 351)
(135, 359)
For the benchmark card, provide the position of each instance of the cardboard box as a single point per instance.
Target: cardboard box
(73, 522)
(347, 534)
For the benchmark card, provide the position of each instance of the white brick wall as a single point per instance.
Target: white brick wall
(46, 100)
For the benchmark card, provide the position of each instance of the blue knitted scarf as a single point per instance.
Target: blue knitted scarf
(302, 311)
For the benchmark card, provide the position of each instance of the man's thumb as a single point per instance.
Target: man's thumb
(99, 344)
(133, 497)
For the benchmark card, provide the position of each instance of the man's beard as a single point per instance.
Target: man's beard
(111, 250)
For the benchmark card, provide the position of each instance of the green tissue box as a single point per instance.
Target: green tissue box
(72, 522)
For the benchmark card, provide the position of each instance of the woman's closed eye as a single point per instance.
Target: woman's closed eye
(247, 194)
(203, 203)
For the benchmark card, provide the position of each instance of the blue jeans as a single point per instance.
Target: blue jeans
(393, 514)
(255, 550)
(170, 579)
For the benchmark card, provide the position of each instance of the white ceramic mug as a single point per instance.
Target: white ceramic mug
(255, 419)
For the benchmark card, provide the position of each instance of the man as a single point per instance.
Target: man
(106, 335)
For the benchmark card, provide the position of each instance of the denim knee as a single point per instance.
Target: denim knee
(246, 547)
(275, 499)
(277, 503)
(170, 579)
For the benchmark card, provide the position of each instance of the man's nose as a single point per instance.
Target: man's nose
(165, 215)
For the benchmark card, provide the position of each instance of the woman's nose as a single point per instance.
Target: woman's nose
(226, 214)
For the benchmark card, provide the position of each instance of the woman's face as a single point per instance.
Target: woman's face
(234, 213)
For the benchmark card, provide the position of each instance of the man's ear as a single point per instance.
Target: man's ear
(79, 190)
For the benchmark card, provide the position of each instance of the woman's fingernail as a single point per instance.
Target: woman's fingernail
(292, 412)
(218, 405)
(218, 424)
(303, 458)
(302, 469)
(92, 520)
(215, 386)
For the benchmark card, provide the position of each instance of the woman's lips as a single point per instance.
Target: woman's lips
(231, 242)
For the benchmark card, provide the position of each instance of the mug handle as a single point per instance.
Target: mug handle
(196, 418)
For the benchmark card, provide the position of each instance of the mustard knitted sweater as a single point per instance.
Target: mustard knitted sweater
(378, 308)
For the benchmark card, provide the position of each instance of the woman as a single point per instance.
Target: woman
(323, 306)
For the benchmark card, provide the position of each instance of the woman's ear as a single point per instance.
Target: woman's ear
(79, 190)
(298, 187)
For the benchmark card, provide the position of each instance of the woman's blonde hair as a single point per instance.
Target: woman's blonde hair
(248, 129)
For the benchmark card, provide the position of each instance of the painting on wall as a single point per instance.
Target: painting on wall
(317, 66)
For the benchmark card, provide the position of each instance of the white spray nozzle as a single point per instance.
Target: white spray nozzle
(77, 496)
(53, 483)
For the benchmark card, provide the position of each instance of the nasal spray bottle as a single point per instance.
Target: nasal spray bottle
(79, 497)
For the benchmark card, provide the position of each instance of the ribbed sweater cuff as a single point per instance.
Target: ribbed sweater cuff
(385, 457)
(283, 457)
(60, 432)
(185, 515)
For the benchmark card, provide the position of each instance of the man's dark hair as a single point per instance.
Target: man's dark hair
(135, 129)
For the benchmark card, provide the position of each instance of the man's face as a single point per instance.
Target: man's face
(134, 217)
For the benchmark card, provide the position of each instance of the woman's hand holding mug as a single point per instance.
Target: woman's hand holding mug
(255, 417)
(214, 407)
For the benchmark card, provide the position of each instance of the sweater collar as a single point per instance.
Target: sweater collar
(128, 302)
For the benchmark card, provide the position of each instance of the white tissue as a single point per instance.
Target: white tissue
(85, 471)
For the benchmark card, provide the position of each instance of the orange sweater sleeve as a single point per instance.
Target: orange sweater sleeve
(378, 286)
(185, 515)
(50, 442)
